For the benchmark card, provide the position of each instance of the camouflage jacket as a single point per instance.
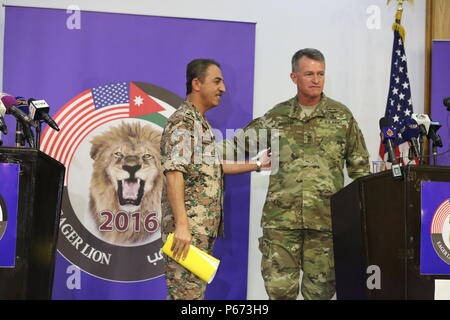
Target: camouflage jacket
(188, 145)
(310, 154)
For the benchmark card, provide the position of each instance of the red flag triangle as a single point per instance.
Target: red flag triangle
(141, 103)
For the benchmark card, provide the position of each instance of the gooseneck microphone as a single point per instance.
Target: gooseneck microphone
(23, 131)
(39, 111)
(389, 136)
(11, 108)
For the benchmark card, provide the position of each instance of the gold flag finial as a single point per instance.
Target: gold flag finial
(398, 17)
(400, 3)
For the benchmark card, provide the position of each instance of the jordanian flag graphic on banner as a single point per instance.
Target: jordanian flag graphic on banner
(93, 108)
(111, 81)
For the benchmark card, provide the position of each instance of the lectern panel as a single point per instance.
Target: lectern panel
(39, 205)
(377, 223)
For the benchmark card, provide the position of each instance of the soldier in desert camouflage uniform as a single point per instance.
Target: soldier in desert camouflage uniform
(317, 135)
(192, 199)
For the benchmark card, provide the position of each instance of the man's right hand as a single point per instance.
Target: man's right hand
(175, 193)
(181, 241)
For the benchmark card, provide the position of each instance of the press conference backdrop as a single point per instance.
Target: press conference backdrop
(119, 73)
(355, 36)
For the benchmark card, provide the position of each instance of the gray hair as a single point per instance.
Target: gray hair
(308, 52)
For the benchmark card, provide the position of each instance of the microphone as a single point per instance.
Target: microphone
(410, 132)
(435, 138)
(11, 107)
(39, 111)
(447, 103)
(422, 120)
(22, 128)
(432, 134)
(20, 136)
(3, 127)
(22, 104)
(389, 135)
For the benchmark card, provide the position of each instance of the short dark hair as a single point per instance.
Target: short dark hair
(308, 52)
(197, 69)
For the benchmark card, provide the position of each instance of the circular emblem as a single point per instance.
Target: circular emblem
(440, 231)
(3, 217)
(109, 144)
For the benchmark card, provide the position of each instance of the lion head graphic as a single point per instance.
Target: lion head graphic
(126, 183)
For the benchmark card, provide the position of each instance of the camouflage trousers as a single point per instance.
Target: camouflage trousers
(285, 252)
(181, 283)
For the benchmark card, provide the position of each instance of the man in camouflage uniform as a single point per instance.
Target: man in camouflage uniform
(192, 199)
(317, 135)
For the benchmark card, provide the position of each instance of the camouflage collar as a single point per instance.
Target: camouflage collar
(194, 114)
(320, 110)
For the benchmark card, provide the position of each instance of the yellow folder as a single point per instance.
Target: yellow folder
(197, 261)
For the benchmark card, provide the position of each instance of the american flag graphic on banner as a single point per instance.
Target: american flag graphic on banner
(399, 103)
(90, 110)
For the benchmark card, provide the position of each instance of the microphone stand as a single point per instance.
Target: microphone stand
(421, 155)
(20, 140)
(423, 132)
(434, 150)
(437, 143)
(38, 134)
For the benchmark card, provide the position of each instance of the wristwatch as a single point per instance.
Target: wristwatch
(258, 165)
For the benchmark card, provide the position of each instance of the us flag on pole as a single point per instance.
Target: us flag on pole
(90, 110)
(399, 103)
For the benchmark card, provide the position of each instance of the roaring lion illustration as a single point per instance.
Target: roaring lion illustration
(126, 183)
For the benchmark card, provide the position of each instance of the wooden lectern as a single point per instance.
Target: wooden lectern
(41, 182)
(377, 222)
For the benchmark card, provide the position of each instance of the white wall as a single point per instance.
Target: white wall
(354, 35)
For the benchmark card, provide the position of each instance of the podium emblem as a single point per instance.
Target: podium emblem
(440, 231)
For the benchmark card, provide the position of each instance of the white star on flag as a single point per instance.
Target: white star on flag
(138, 101)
